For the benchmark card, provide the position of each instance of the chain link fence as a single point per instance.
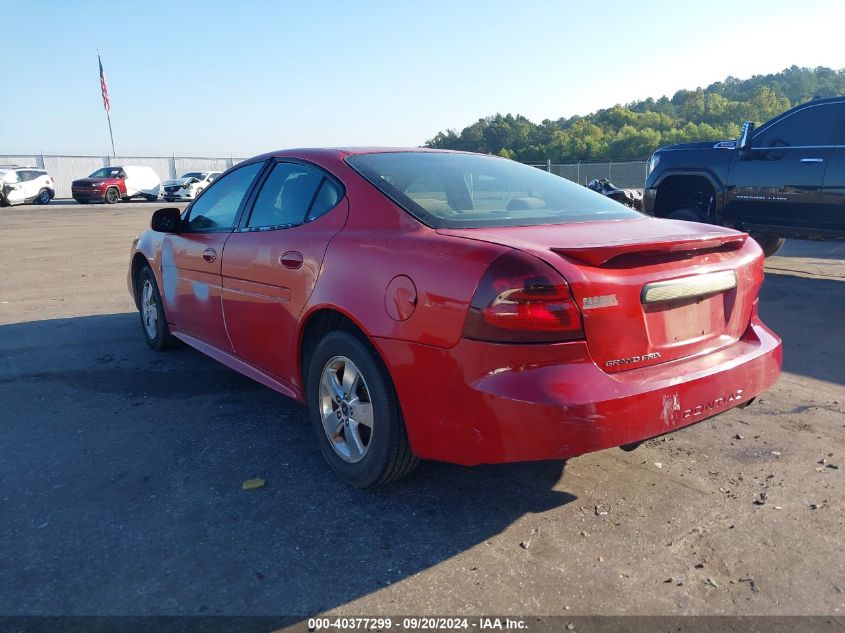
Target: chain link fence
(66, 169)
(625, 174)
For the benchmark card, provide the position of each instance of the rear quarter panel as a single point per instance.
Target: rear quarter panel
(381, 242)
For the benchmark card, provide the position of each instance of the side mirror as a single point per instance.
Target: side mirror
(166, 220)
(743, 144)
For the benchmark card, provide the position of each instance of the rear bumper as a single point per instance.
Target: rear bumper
(486, 403)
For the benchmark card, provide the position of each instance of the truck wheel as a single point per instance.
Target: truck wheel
(112, 195)
(768, 242)
(355, 412)
(689, 215)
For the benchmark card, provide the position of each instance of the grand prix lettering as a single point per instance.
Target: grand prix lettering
(632, 359)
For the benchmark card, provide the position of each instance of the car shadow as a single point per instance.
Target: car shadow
(122, 488)
(816, 249)
(801, 310)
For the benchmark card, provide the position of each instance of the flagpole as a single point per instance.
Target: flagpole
(111, 136)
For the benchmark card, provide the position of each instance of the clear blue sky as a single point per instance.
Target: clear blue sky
(239, 78)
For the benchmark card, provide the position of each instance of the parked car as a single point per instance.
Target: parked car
(111, 184)
(188, 186)
(784, 179)
(455, 307)
(22, 185)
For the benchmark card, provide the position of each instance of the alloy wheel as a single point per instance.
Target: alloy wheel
(346, 409)
(149, 309)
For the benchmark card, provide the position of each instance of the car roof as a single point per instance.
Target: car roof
(339, 153)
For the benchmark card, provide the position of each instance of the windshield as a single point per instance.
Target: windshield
(472, 190)
(108, 172)
(195, 174)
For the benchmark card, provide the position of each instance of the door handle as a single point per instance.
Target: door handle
(291, 259)
(811, 160)
(209, 255)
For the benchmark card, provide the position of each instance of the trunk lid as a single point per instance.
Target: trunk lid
(649, 290)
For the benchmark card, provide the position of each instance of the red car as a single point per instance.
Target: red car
(456, 307)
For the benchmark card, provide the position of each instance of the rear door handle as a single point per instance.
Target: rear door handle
(811, 160)
(209, 255)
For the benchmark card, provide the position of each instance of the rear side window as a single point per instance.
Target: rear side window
(818, 125)
(456, 190)
(293, 194)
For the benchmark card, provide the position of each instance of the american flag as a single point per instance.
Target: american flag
(103, 85)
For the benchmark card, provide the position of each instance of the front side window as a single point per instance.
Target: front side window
(292, 194)
(812, 126)
(455, 190)
(218, 206)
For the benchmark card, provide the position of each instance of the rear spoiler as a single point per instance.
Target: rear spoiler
(600, 254)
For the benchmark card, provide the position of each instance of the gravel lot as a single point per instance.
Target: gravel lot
(121, 475)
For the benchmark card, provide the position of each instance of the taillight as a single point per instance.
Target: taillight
(520, 299)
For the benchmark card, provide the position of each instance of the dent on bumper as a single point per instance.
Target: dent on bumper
(486, 403)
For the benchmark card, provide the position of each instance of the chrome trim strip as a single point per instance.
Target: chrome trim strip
(688, 287)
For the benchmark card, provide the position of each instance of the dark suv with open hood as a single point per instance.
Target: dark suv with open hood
(783, 179)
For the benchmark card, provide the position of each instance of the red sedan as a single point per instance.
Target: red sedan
(456, 307)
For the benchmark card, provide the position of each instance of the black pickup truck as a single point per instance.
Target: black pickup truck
(783, 179)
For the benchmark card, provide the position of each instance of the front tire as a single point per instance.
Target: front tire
(355, 412)
(153, 323)
(150, 198)
(770, 243)
(111, 196)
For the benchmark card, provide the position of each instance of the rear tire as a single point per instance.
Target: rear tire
(111, 196)
(151, 198)
(770, 243)
(44, 197)
(356, 414)
(150, 307)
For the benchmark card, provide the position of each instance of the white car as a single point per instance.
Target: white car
(188, 186)
(22, 185)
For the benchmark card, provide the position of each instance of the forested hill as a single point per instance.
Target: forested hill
(635, 130)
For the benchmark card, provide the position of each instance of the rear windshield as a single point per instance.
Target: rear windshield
(472, 190)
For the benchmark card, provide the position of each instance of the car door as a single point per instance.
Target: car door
(833, 188)
(778, 182)
(29, 184)
(271, 263)
(191, 283)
